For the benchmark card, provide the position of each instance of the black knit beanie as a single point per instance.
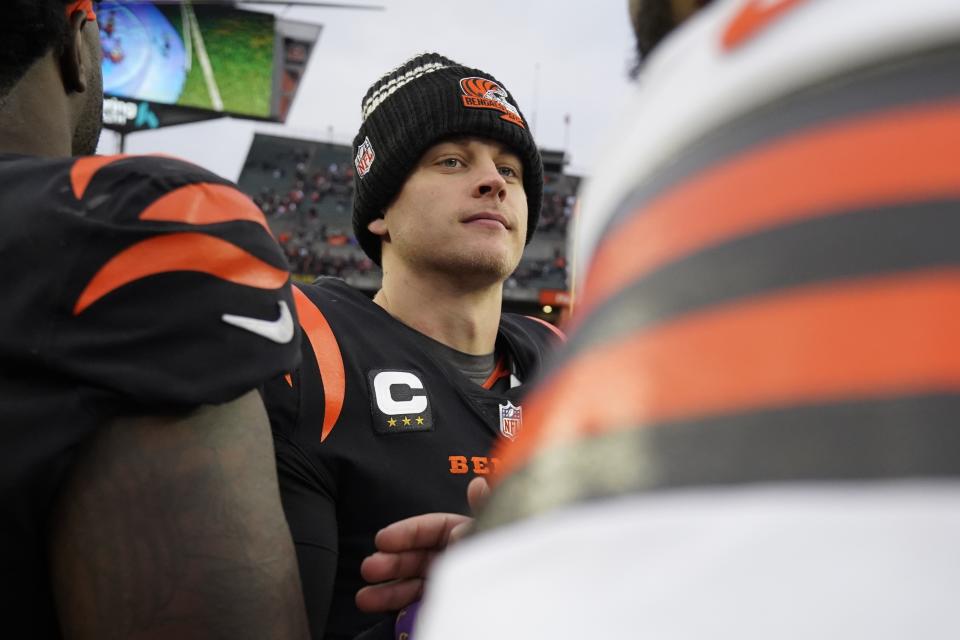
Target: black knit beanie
(429, 99)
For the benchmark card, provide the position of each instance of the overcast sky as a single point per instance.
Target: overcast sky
(557, 57)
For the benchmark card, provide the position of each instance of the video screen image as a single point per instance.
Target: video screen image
(206, 56)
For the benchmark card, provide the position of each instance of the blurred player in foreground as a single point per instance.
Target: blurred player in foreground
(399, 400)
(144, 301)
(753, 429)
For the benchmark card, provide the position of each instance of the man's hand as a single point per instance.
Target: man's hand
(405, 550)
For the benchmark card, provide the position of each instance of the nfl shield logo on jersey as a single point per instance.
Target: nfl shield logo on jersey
(511, 420)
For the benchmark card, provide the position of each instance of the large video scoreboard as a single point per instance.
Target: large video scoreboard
(203, 57)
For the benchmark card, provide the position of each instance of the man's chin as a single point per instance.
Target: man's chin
(478, 267)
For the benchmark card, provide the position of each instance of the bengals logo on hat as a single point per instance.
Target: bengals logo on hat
(481, 93)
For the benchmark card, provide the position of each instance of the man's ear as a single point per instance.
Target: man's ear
(378, 227)
(75, 57)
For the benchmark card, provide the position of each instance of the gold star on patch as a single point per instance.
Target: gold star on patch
(392, 422)
(419, 419)
(406, 421)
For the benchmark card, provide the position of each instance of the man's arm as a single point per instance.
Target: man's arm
(172, 527)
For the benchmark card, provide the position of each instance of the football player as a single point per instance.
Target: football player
(752, 431)
(400, 399)
(144, 302)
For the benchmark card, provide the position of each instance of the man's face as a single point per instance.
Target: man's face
(462, 211)
(87, 134)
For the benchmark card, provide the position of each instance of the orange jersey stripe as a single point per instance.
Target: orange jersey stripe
(180, 252)
(894, 157)
(329, 359)
(204, 203)
(753, 17)
(864, 339)
(557, 332)
(83, 170)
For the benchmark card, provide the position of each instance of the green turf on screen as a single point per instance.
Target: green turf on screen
(240, 48)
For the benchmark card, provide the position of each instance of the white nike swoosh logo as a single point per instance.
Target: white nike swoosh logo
(280, 330)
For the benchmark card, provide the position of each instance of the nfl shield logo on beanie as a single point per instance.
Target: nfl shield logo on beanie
(365, 158)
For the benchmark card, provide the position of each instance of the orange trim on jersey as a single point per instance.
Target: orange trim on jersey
(204, 203)
(752, 18)
(329, 359)
(180, 252)
(83, 170)
(859, 339)
(499, 371)
(556, 331)
(898, 156)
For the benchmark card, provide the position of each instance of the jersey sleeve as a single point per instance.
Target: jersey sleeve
(304, 404)
(176, 292)
(311, 513)
(307, 494)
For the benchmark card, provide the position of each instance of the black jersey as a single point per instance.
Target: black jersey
(373, 428)
(132, 285)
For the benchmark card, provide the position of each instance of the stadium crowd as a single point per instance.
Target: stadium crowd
(298, 194)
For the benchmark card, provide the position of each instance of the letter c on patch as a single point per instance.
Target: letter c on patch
(383, 385)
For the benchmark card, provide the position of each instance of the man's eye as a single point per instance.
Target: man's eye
(451, 163)
(508, 172)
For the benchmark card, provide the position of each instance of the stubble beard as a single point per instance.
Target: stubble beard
(87, 135)
(476, 268)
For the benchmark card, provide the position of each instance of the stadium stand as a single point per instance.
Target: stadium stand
(305, 189)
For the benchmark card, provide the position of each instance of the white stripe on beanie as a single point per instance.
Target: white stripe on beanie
(395, 84)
